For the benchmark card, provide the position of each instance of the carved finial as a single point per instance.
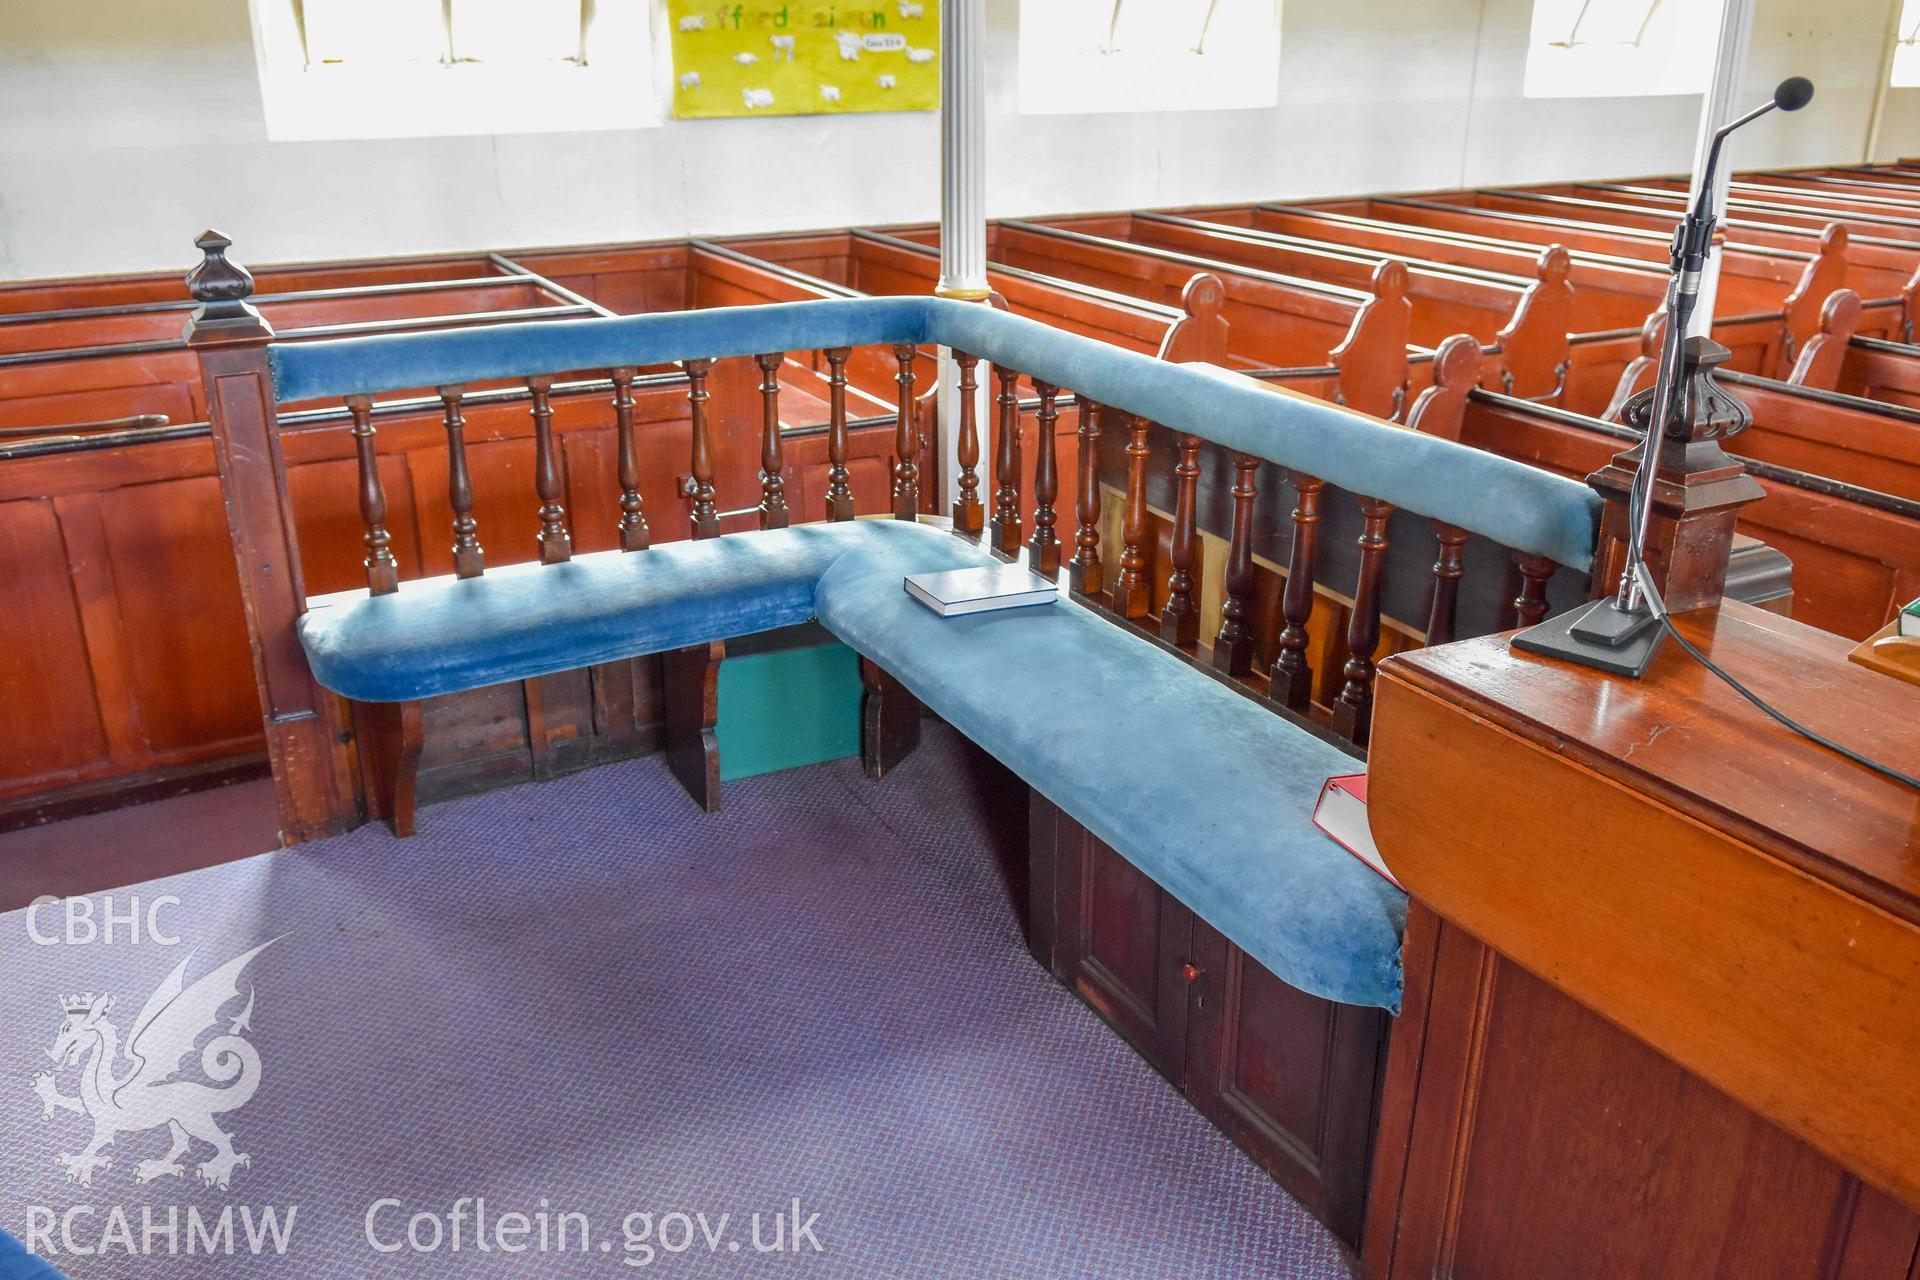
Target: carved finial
(1554, 265)
(222, 289)
(215, 281)
(1704, 410)
(1390, 280)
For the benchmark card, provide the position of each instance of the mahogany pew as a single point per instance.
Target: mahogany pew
(1867, 216)
(877, 265)
(1372, 368)
(1784, 231)
(61, 367)
(1864, 443)
(1877, 369)
(1865, 179)
(1789, 289)
(166, 288)
(1855, 551)
(124, 620)
(870, 264)
(1875, 268)
(149, 530)
(1634, 270)
(1275, 320)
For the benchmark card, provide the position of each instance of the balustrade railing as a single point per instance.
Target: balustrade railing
(1322, 450)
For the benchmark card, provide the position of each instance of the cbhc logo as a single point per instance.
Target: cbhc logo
(80, 923)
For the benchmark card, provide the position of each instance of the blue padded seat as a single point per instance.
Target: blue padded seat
(446, 635)
(1207, 792)
(18, 1264)
(1204, 791)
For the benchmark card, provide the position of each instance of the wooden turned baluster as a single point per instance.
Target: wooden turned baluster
(1233, 646)
(1084, 571)
(1448, 569)
(1043, 550)
(634, 535)
(1291, 682)
(773, 485)
(1353, 709)
(1180, 619)
(1530, 606)
(906, 443)
(1006, 497)
(468, 560)
(705, 519)
(839, 496)
(383, 574)
(968, 513)
(1132, 593)
(556, 544)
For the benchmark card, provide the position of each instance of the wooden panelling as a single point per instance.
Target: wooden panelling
(1120, 942)
(50, 720)
(1547, 1144)
(1291, 1078)
(187, 637)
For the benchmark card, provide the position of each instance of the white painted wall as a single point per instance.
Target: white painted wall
(128, 126)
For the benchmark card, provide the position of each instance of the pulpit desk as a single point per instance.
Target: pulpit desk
(1662, 1008)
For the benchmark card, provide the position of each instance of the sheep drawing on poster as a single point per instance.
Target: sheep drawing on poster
(816, 57)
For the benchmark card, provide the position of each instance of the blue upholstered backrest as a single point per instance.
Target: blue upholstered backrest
(1510, 502)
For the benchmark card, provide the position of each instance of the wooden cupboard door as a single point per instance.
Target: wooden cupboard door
(1121, 943)
(1291, 1078)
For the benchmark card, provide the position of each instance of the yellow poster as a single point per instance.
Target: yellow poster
(804, 58)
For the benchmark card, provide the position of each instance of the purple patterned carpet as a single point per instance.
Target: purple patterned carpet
(614, 1020)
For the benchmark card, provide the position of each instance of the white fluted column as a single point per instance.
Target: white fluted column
(963, 149)
(1720, 104)
(963, 200)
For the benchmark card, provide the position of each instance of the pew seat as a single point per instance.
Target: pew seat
(1204, 791)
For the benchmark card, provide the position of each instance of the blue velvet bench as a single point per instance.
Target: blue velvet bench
(1202, 788)
(1217, 811)
(1201, 791)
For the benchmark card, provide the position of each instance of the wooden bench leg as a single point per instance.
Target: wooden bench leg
(390, 736)
(889, 721)
(692, 687)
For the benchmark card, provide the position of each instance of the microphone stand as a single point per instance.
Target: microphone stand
(1622, 632)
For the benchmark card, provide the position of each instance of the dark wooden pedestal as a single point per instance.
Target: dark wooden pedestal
(1291, 1078)
(1662, 1015)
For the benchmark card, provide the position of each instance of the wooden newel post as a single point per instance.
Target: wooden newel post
(307, 738)
(1697, 492)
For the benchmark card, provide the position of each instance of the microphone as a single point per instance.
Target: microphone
(1793, 93)
(1620, 632)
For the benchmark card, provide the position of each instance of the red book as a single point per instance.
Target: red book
(1341, 812)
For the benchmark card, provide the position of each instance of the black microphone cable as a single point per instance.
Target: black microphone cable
(1659, 606)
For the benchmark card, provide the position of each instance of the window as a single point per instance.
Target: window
(409, 68)
(1620, 48)
(1906, 49)
(1080, 56)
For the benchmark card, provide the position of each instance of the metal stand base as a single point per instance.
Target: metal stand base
(1600, 635)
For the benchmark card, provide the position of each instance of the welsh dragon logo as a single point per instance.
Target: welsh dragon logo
(150, 1089)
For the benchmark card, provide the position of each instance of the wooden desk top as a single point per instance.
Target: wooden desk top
(1683, 735)
(1742, 900)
